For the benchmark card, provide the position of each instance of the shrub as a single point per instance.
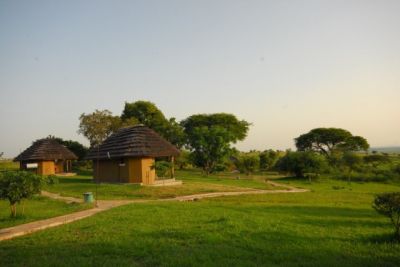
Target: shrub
(248, 163)
(350, 161)
(268, 159)
(52, 179)
(18, 185)
(300, 163)
(163, 168)
(388, 204)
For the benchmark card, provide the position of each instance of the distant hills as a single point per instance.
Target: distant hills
(386, 149)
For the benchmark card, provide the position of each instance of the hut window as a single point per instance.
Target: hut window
(121, 163)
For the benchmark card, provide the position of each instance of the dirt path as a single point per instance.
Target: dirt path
(23, 229)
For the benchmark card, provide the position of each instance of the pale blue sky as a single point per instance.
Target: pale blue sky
(285, 66)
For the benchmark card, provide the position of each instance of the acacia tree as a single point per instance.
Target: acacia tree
(209, 138)
(327, 140)
(18, 185)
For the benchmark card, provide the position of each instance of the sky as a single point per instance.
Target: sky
(285, 66)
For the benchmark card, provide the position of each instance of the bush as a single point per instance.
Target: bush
(388, 204)
(18, 185)
(163, 168)
(300, 163)
(51, 180)
(247, 163)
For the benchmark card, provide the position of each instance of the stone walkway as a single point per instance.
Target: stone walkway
(102, 205)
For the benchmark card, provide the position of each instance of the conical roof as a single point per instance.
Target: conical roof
(46, 149)
(136, 141)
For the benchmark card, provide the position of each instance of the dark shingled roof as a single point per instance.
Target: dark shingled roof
(46, 149)
(136, 141)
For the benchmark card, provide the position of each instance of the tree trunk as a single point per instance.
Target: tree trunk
(23, 207)
(13, 210)
(348, 177)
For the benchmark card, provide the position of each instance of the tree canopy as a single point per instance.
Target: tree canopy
(247, 163)
(209, 137)
(97, 126)
(388, 204)
(77, 148)
(301, 163)
(147, 113)
(18, 185)
(326, 140)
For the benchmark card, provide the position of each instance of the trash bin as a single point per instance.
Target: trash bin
(88, 197)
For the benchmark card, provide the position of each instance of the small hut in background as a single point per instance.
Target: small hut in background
(128, 156)
(45, 157)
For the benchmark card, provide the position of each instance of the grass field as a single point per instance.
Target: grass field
(36, 209)
(193, 183)
(8, 165)
(333, 225)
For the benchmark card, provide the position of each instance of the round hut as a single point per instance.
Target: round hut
(128, 156)
(45, 157)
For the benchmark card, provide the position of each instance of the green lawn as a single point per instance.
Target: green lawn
(36, 209)
(333, 225)
(193, 183)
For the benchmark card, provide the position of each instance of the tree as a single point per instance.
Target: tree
(248, 163)
(326, 140)
(209, 148)
(302, 163)
(18, 185)
(183, 160)
(209, 138)
(147, 113)
(77, 148)
(1, 154)
(388, 204)
(268, 158)
(97, 126)
(351, 161)
(376, 159)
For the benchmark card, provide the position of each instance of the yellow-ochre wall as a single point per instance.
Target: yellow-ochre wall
(46, 168)
(129, 170)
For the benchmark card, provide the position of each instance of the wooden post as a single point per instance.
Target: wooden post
(172, 167)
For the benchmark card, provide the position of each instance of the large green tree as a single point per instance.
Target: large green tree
(149, 114)
(327, 140)
(210, 136)
(97, 126)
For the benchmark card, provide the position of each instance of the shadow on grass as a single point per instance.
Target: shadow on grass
(70, 180)
(180, 247)
(383, 239)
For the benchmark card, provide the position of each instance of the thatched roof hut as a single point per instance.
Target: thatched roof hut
(46, 156)
(129, 154)
(136, 141)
